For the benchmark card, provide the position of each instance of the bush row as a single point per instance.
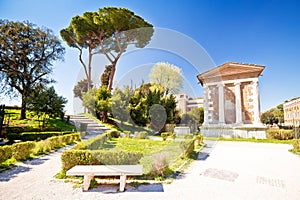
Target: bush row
(93, 143)
(280, 134)
(5, 153)
(187, 146)
(296, 145)
(141, 135)
(23, 150)
(73, 157)
(55, 142)
(30, 129)
(34, 136)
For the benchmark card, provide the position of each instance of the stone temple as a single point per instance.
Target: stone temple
(231, 101)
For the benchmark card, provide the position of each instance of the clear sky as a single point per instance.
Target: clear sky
(250, 31)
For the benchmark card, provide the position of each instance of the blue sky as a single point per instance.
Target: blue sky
(258, 32)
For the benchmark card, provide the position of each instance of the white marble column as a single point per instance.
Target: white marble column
(221, 103)
(206, 105)
(256, 104)
(238, 103)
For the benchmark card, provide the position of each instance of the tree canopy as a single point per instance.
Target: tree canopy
(150, 105)
(108, 31)
(273, 116)
(27, 53)
(45, 102)
(167, 75)
(80, 88)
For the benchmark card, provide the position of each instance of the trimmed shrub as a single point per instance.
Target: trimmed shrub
(34, 136)
(30, 129)
(127, 134)
(188, 136)
(187, 147)
(164, 135)
(114, 133)
(71, 158)
(5, 153)
(22, 150)
(117, 157)
(55, 142)
(93, 143)
(280, 134)
(141, 135)
(296, 145)
(198, 139)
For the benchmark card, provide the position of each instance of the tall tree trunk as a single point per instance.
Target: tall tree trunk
(112, 74)
(105, 116)
(89, 78)
(23, 107)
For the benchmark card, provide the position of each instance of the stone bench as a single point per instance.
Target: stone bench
(89, 171)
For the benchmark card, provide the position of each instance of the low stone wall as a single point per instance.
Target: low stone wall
(182, 130)
(234, 132)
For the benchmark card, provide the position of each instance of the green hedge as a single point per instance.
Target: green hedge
(30, 129)
(141, 135)
(5, 153)
(280, 134)
(34, 136)
(73, 157)
(55, 142)
(93, 143)
(22, 150)
(296, 145)
(187, 146)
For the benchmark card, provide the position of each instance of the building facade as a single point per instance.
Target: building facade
(231, 101)
(291, 110)
(184, 103)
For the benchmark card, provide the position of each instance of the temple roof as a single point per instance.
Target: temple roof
(231, 71)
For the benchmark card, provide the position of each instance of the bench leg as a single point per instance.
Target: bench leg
(86, 182)
(122, 182)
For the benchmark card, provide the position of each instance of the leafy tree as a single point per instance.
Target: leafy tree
(79, 35)
(167, 75)
(80, 88)
(46, 103)
(193, 118)
(103, 102)
(147, 96)
(98, 102)
(109, 31)
(89, 100)
(273, 116)
(26, 56)
(120, 103)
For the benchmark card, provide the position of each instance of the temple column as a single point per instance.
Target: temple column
(221, 103)
(256, 109)
(206, 105)
(238, 103)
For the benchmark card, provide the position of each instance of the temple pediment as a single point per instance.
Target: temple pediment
(231, 71)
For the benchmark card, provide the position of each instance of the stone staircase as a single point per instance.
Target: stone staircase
(93, 127)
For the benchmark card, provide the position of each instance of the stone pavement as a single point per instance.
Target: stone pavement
(225, 170)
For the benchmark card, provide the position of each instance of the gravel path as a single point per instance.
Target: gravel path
(224, 170)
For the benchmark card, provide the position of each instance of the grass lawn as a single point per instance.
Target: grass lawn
(32, 121)
(153, 151)
(268, 140)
